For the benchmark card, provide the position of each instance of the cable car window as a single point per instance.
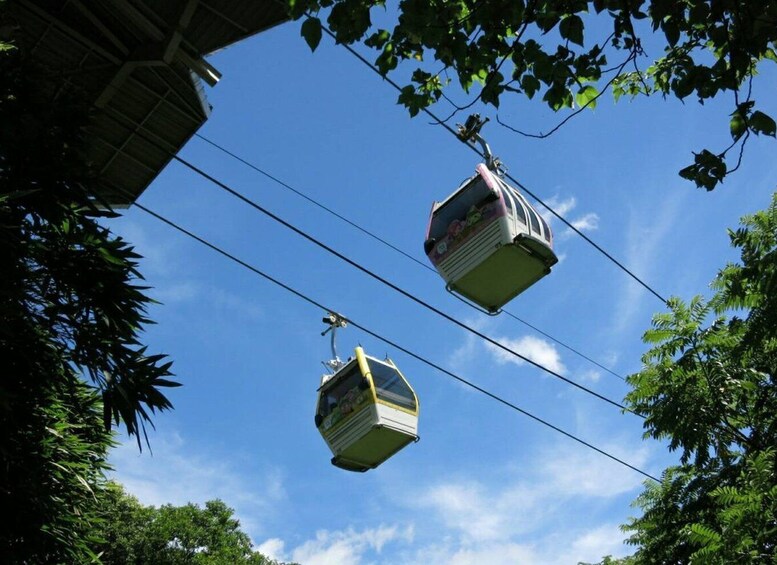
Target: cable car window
(535, 222)
(507, 199)
(457, 207)
(545, 228)
(331, 396)
(508, 202)
(389, 386)
(519, 208)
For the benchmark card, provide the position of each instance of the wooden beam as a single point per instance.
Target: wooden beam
(69, 31)
(174, 38)
(98, 23)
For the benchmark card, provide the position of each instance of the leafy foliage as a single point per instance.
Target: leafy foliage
(54, 450)
(709, 387)
(610, 560)
(172, 535)
(543, 47)
(71, 312)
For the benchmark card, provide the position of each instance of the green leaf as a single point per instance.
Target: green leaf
(378, 39)
(737, 126)
(386, 61)
(571, 28)
(671, 31)
(707, 171)
(311, 31)
(761, 123)
(297, 8)
(543, 67)
(617, 92)
(530, 85)
(586, 96)
(410, 99)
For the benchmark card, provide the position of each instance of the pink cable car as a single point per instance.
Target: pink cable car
(487, 242)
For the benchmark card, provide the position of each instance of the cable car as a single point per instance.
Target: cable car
(485, 240)
(366, 411)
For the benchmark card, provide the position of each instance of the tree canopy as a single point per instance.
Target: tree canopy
(568, 53)
(71, 315)
(172, 535)
(709, 388)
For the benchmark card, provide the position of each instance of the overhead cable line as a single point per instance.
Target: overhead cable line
(389, 342)
(442, 123)
(377, 277)
(311, 200)
(386, 243)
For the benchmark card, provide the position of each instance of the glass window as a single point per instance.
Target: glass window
(473, 194)
(545, 228)
(535, 222)
(389, 386)
(507, 199)
(333, 394)
(520, 212)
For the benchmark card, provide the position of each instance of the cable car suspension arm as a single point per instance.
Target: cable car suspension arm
(470, 133)
(334, 321)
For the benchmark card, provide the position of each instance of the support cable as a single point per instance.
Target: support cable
(368, 272)
(389, 342)
(391, 285)
(389, 245)
(566, 222)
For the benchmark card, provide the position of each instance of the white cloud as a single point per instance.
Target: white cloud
(466, 355)
(534, 348)
(176, 292)
(589, 222)
(526, 517)
(272, 548)
(158, 254)
(478, 514)
(523, 515)
(349, 546)
(644, 240)
(586, 222)
(562, 207)
(591, 375)
(603, 540)
(490, 554)
(585, 473)
(610, 358)
(588, 546)
(178, 474)
(161, 265)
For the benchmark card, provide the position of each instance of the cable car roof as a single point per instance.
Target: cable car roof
(480, 171)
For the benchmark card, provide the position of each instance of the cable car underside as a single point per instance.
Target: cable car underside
(506, 272)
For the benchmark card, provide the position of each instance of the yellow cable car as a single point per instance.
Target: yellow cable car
(366, 411)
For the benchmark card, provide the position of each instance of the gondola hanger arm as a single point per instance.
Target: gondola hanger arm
(470, 133)
(334, 321)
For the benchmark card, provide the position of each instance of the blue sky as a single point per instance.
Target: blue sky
(485, 484)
